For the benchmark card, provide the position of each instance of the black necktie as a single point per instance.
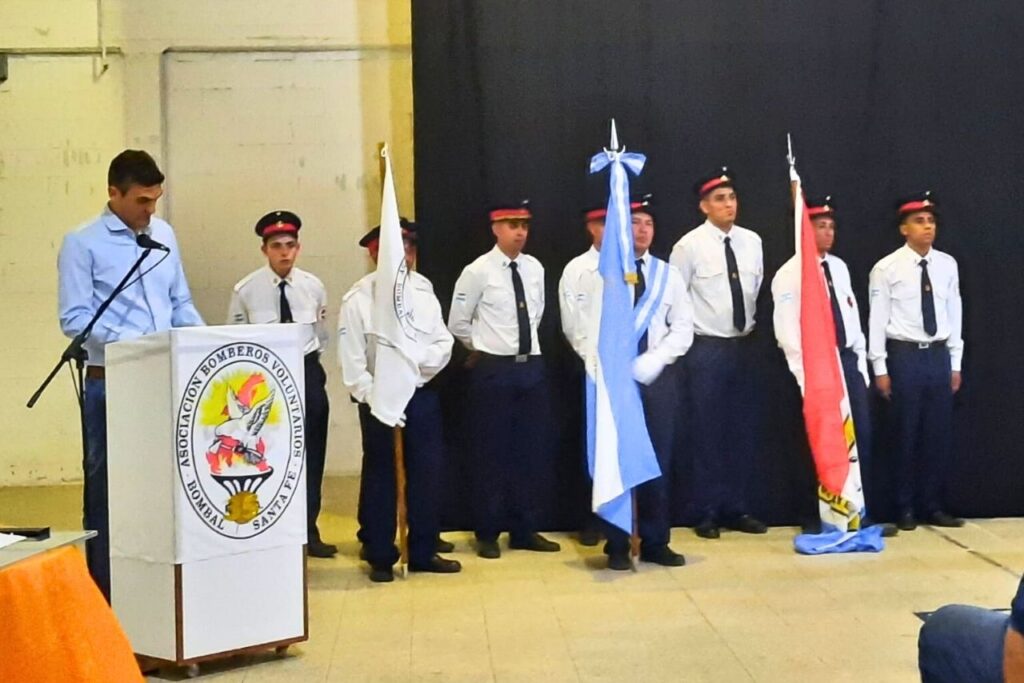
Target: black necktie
(739, 313)
(837, 313)
(927, 300)
(286, 310)
(522, 312)
(638, 291)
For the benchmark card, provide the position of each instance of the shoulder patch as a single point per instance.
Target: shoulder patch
(245, 280)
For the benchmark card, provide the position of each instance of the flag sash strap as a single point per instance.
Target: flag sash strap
(649, 303)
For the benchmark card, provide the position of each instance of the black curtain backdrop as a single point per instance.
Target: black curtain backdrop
(882, 98)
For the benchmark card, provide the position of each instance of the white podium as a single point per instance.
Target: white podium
(206, 452)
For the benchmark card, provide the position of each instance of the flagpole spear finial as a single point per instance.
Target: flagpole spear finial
(789, 157)
(613, 149)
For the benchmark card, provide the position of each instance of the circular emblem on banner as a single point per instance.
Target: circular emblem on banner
(240, 439)
(403, 302)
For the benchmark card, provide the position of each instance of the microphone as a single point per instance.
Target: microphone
(147, 242)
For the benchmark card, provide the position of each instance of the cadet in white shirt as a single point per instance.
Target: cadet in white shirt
(282, 293)
(845, 318)
(668, 336)
(915, 349)
(572, 302)
(423, 434)
(722, 267)
(496, 307)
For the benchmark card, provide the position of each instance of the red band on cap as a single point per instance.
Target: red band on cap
(911, 207)
(279, 227)
(511, 215)
(596, 214)
(815, 211)
(713, 183)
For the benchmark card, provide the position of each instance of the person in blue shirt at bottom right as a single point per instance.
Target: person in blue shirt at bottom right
(961, 643)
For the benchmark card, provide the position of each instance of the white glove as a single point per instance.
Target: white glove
(647, 367)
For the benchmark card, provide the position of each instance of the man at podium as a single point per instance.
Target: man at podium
(92, 261)
(282, 293)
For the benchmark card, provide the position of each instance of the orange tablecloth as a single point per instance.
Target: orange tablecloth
(56, 626)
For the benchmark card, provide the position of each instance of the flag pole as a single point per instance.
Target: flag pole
(793, 178)
(634, 538)
(399, 441)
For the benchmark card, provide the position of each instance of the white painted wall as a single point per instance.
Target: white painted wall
(249, 105)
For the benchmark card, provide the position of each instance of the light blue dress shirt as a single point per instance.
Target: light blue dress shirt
(92, 261)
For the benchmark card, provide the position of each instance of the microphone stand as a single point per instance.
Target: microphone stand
(76, 352)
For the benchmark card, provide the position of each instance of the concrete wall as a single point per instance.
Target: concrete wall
(248, 105)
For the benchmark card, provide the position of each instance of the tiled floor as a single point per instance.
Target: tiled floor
(745, 608)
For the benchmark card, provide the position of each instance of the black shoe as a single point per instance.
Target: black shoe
(748, 525)
(382, 574)
(321, 549)
(810, 526)
(888, 529)
(708, 529)
(534, 542)
(664, 556)
(940, 518)
(907, 522)
(488, 549)
(443, 546)
(590, 537)
(437, 565)
(619, 562)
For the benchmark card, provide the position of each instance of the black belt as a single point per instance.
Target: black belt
(724, 340)
(520, 358)
(914, 346)
(95, 372)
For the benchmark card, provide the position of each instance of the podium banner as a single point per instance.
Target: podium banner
(240, 441)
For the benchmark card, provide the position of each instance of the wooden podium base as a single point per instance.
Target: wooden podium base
(149, 663)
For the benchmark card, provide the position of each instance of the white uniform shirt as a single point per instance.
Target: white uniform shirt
(357, 346)
(574, 298)
(700, 257)
(895, 294)
(669, 335)
(786, 294)
(483, 314)
(256, 300)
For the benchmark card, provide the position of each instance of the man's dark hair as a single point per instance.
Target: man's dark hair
(133, 167)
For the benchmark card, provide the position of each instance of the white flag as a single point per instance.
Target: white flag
(395, 370)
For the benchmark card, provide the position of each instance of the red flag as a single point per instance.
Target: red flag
(824, 390)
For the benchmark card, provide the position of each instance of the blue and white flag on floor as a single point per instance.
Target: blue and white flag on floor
(619, 450)
(867, 540)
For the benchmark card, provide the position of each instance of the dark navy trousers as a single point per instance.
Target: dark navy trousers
(922, 404)
(661, 411)
(509, 409)
(95, 515)
(861, 413)
(719, 380)
(317, 416)
(424, 447)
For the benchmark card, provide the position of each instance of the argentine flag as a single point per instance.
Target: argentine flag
(619, 450)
